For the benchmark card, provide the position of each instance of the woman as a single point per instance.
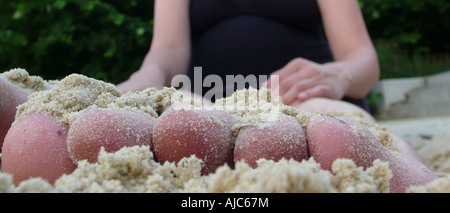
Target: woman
(264, 37)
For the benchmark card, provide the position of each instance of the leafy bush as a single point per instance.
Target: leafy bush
(397, 63)
(104, 39)
(415, 25)
(411, 36)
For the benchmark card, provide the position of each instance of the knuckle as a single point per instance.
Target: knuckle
(288, 82)
(298, 61)
(297, 87)
(313, 69)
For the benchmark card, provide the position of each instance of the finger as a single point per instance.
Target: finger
(292, 67)
(292, 94)
(307, 73)
(296, 104)
(274, 85)
(318, 91)
(287, 83)
(305, 77)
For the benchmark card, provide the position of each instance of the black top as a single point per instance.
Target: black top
(232, 37)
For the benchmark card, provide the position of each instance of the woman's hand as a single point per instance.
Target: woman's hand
(302, 79)
(147, 76)
(355, 70)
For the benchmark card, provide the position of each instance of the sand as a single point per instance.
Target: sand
(22, 80)
(133, 169)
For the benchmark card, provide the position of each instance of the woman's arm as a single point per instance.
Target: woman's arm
(355, 69)
(351, 45)
(169, 52)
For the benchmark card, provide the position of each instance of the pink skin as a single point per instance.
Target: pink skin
(10, 98)
(282, 138)
(207, 134)
(112, 129)
(332, 138)
(35, 146)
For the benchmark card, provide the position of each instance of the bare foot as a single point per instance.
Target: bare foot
(327, 138)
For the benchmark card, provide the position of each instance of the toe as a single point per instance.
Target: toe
(282, 138)
(35, 146)
(112, 129)
(10, 98)
(331, 138)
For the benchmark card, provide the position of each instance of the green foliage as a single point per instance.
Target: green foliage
(411, 36)
(104, 39)
(415, 25)
(397, 63)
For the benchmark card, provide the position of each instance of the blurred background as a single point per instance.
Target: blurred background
(108, 39)
(103, 39)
